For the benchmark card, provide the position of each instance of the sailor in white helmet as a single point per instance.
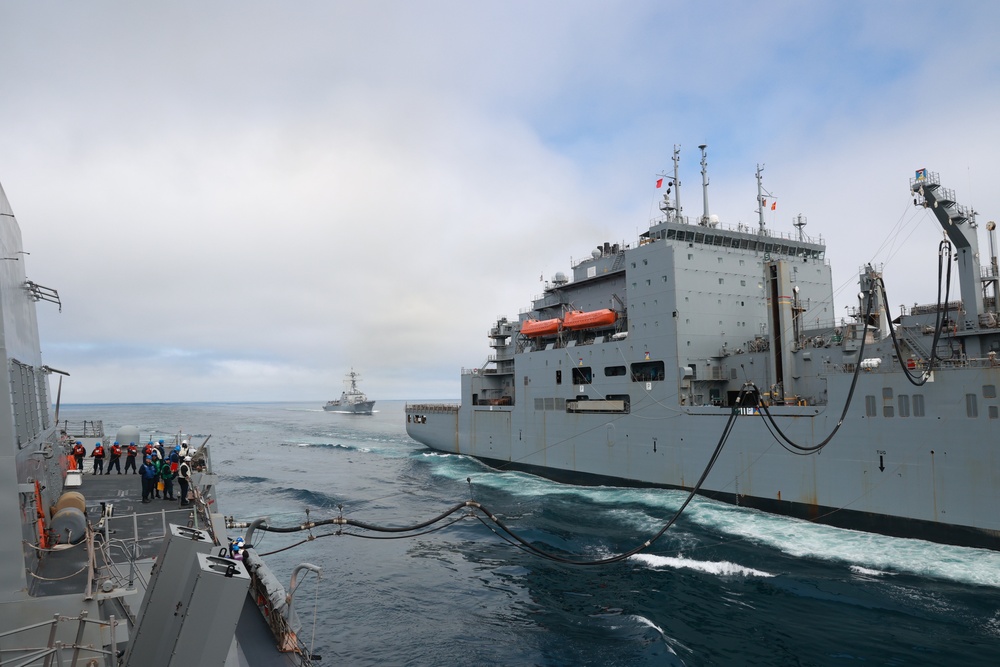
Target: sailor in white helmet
(184, 478)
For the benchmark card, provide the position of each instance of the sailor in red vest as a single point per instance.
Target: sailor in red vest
(79, 452)
(148, 450)
(130, 457)
(98, 455)
(116, 458)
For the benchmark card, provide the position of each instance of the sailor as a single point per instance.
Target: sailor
(167, 475)
(98, 455)
(183, 450)
(162, 450)
(116, 458)
(184, 479)
(157, 463)
(148, 449)
(79, 452)
(236, 549)
(147, 474)
(131, 452)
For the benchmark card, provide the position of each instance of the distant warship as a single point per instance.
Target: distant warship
(632, 371)
(353, 400)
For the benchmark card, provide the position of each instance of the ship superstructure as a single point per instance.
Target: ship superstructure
(628, 371)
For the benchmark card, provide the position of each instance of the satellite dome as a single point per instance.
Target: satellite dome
(127, 434)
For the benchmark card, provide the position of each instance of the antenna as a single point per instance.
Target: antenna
(800, 222)
(677, 180)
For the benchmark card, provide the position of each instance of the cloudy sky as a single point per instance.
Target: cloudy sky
(240, 201)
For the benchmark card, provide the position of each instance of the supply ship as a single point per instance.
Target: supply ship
(632, 369)
(352, 400)
(90, 572)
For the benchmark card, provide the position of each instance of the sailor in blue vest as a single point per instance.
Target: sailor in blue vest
(147, 473)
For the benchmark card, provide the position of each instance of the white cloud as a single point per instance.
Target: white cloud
(244, 201)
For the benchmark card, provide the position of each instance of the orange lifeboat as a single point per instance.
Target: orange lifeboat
(578, 319)
(534, 328)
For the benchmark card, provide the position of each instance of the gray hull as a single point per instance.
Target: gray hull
(359, 408)
(702, 311)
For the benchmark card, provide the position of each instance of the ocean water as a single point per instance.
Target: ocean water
(725, 586)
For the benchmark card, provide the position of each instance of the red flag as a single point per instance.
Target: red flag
(659, 182)
(774, 206)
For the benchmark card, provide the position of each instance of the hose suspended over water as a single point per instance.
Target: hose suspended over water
(944, 258)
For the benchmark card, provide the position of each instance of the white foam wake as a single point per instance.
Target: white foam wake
(721, 568)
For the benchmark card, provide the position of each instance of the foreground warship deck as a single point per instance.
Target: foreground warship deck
(90, 575)
(149, 583)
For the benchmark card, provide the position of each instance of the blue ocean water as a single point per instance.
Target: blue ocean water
(725, 586)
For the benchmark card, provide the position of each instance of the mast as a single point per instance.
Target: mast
(800, 222)
(677, 179)
(673, 210)
(991, 228)
(760, 197)
(704, 184)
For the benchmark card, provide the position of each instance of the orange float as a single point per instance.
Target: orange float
(578, 319)
(533, 328)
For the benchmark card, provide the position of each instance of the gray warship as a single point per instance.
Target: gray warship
(352, 400)
(709, 357)
(90, 573)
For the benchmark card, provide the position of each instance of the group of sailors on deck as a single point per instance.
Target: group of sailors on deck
(158, 470)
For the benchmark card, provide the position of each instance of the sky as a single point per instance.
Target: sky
(241, 201)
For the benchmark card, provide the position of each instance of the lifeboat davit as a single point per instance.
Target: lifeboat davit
(533, 328)
(578, 319)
